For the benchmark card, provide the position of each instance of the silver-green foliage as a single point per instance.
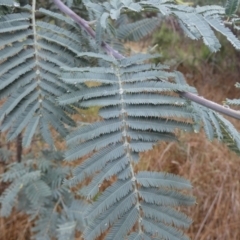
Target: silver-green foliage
(215, 125)
(46, 66)
(197, 23)
(31, 54)
(138, 111)
(36, 188)
(231, 7)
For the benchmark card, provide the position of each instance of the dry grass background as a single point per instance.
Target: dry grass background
(213, 170)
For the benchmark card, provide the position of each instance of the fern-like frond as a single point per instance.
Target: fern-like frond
(36, 188)
(96, 163)
(37, 191)
(197, 22)
(231, 7)
(165, 214)
(8, 197)
(111, 169)
(148, 179)
(15, 171)
(162, 231)
(137, 30)
(124, 224)
(29, 69)
(217, 25)
(110, 216)
(139, 108)
(217, 126)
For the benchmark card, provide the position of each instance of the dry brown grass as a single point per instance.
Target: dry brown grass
(15, 227)
(213, 170)
(214, 174)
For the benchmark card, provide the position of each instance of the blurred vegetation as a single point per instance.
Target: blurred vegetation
(207, 2)
(210, 166)
(176, 49)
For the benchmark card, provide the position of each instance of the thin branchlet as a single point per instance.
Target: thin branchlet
(193, 97)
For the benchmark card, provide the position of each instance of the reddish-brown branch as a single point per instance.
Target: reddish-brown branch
(200, 100)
